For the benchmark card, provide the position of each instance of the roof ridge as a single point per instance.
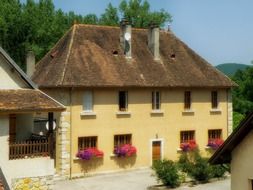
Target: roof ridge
(106, 26)
(68, 54)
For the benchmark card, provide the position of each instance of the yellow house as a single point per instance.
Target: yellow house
(123, 85)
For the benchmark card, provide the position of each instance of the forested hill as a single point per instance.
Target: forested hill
(230, 69)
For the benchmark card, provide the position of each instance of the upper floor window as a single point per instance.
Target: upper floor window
(123, 100)
(187, 100)
(156, 100)
(87, 142)
(122, 139)
(214, 134)
(214, 99)
(88, 101)
(186, 136)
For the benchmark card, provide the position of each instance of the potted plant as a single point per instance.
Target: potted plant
(89, 153)
(126, 150)
(188, 146)
(215, 143)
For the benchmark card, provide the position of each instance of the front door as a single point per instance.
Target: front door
(12, 128)
(156, 150)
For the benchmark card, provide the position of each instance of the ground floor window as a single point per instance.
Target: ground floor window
(214, 134)
(87, 142)
(122, 139)
(186, 136)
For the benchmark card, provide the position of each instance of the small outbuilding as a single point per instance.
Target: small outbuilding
(238, 151)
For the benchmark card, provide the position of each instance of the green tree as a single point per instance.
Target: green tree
(110, 17)
(90, 19)
(140, 15)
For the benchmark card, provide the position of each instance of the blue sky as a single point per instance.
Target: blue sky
(219, 30)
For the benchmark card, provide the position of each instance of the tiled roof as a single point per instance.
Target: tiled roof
(84, 58)
(27, 100)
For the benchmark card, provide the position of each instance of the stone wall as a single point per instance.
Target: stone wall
(34, 183)
(230, 113)
(63, 143)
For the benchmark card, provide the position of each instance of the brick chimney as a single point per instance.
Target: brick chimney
(153, 40)
(30, 63)
(126, 37)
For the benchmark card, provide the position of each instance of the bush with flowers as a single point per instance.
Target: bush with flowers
(125, 150)
(89, 153)
(215, 143)
(188, 146)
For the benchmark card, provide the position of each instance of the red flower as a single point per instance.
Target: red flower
(188, 146)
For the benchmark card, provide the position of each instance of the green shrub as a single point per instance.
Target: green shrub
(200, 170)
(195, 166)
(184, 163)
(167, 172)
(218, 171)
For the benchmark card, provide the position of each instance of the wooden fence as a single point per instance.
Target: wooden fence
(29, 149)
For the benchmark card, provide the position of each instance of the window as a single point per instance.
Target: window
(187, 100)
(123, 101)
(186, 136)
(88, 101)
(87, 142)
(156, 100)
(214, 99)
(122, 139)
(214, 134)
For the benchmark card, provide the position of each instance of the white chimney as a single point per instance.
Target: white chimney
(153, 40)
(30, 63)
(125, 37)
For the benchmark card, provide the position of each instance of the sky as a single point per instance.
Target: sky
(221, 31)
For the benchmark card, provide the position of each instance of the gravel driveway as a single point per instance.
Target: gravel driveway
(134, 180)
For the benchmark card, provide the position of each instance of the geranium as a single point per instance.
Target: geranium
(215, 143)
(89, 153)
(125, 150)
(188, 146)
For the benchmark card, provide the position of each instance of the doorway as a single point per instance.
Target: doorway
(156, 152)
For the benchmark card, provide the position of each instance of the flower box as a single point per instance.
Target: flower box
(215, 143)
(89, 153)
(188, 146)
(126, 150)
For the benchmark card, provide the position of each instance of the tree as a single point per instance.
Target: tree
(110, 17)
(139, 14)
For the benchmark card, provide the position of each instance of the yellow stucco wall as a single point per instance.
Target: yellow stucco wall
(241, 164)
(143, 125)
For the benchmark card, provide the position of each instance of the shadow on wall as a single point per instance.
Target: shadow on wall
(125, 162)
(90, 165)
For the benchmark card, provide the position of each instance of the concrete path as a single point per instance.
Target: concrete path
(134, 180)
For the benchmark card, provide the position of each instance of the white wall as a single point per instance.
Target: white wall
(24, 126)
(24, 167)
(11, 79)
(242, 164)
